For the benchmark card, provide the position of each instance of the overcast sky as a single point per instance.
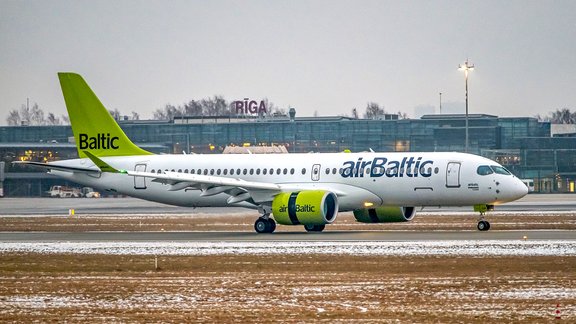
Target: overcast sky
(324, 56)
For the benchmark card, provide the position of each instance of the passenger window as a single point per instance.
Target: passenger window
(191, 171)
(225, 171)
(173, 170)
(271, 171)
(205, 171)
(258, 171)
(484, 170)
(285, 171)
(153, 171)
(436, 170)
(264, 171)
(327, 170)
(334, 171)
(238, 171)
(159, 171)
(211, 171)
(251, 171)
(231, 171)
(292, 171)
(278, 171)
(186, 171)
(218, 172)
(179, 170)
(304, 171)
(245, 171)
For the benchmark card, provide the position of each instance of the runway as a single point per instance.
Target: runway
(384, 236)
(60, 206)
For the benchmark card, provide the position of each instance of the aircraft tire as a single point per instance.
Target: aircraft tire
(272, 224)
(261, 225)
(483, 226)
(314, 228)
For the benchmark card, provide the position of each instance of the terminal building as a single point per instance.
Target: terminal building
(531, 149)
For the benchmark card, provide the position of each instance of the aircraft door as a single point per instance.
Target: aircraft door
(140, 182)
(316, 172)
(453, 175)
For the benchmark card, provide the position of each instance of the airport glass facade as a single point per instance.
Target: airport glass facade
(522, 144)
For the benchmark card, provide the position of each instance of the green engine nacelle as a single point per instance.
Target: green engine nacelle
(311, 207)
(386, 214)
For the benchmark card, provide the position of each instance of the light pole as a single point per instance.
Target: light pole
(466, 67)
(440, 93)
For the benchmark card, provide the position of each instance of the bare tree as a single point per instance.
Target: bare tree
(373, 110)
(402, 115)
(354, 113)
(563, 116)
(560, 116)
(37, 116)
(31, 116)
(221, 107)
(115, 113)
(193, 108)
(52, 119)
(168, 113)
(14, 118)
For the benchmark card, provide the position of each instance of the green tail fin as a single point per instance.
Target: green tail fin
(94, 128)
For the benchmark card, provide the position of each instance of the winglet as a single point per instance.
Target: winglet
(105, 167)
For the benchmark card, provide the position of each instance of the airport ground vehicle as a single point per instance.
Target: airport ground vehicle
(64, 192)
(88, 192)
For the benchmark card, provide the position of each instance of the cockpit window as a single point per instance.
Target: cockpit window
(484, 170)
(500, 170)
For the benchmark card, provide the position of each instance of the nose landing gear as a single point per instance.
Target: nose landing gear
(483, 225)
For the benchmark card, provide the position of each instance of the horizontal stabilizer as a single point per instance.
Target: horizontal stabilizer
(53, 166)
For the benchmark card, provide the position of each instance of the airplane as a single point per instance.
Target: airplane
(308, 189)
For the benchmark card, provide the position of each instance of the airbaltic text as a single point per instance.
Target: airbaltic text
(99, 142)
(379, 166)
(299, 209)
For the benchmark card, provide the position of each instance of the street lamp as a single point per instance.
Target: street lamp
(466, 67)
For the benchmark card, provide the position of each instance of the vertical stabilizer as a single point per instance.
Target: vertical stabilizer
(94, 128)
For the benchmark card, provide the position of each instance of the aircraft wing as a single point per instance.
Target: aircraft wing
(238, 189)
(178, 180)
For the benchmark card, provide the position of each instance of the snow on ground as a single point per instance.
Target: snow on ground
(446, 248)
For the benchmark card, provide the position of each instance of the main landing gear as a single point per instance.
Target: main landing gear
(314, 228)
(265, 225)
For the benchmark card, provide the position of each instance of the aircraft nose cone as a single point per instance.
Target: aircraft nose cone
(513, 189)
(520, 189)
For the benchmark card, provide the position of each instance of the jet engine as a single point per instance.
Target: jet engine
(386, 214)
(310, 207)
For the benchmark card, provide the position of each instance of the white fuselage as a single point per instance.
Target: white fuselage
(359, 179)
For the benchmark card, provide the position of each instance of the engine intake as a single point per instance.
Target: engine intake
(311, 207)
(387, 214)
